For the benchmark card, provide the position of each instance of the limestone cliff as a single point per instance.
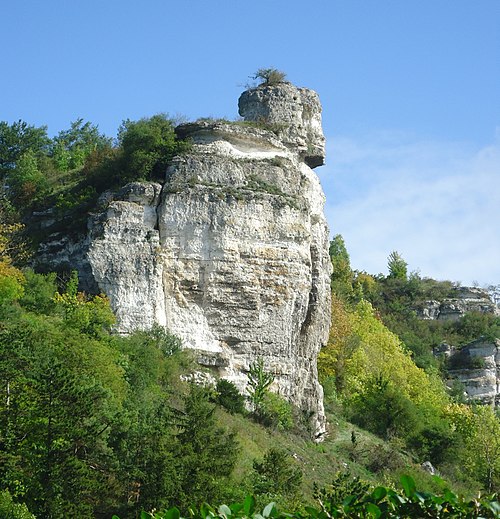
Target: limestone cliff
(465, 299)
(477, 367)
(231, 251)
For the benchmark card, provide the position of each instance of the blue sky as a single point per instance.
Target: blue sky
(410, 92)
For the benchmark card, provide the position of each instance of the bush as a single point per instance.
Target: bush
(435, 441)
(276, 475)
(148, 146)
(229, 397)
(384, 410)
(270, 76)
(11, 510)
(274, 411)
(40, 290)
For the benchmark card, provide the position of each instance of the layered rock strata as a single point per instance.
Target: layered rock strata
(231, 251)
(466, 299)
(477, 367)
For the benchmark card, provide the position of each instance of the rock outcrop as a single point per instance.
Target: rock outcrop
(465, 299)
(231, 251)
(477, 367)
(295, 114)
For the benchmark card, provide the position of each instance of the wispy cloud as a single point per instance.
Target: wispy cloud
(437, 203)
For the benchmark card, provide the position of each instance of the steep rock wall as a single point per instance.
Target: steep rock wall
(477, 367)
(231, 252)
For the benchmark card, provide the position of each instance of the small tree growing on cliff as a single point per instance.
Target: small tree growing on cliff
(269, 76)
(258, 382)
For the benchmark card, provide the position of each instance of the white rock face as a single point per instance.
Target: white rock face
(466, 299)
(480, 374)
(231, 253)
(295, 114)
(123, 246)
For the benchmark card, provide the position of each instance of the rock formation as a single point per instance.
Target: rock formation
(231, 251)
(477, 367)
(466, 299)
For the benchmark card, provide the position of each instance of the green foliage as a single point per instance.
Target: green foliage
(274, 411)
(69, 172)
(384, 410)
(479, 431)
(270, 76)
(353, 498)
(91, 422)
(160, 338)
(11, 284)
(148, 146)
(11, 278)
(26, 183)
(342, 275)
(39, 293)
(70, 148)
(228, 396)
(89, 315)
(259, 381)
(396, 299)
(11, 510)
(17, 139)
(269, 409)
(277, 476)
(398, 268)
(204, 453)
(434, 439)
(60, 392)
(477, 324)
(463, 360)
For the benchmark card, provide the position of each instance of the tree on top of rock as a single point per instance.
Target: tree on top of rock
(270, 76)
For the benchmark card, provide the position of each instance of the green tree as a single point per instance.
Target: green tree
(342, 275)
(18, 138)
(11, 510)
(148, 146)
(259, 381)
(479, 428)
(61, 392)
(143, 437)
(228, 396)
(384, 410)
(11, 278)
(70, 148)
(89, 315)
(26, 183)
(398, 268)
(277, 476)
(205, 454)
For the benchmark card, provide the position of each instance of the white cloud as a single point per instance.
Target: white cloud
(437, 203)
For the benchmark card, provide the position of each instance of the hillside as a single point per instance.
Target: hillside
(176, 328)
(95, 424)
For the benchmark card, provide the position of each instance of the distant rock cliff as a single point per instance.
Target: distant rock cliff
(477, 367)
(465, 299)
(231, 251)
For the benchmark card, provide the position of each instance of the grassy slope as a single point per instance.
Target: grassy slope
(371, 458)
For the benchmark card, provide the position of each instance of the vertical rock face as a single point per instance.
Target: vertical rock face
(295, 113)
(477, 367)
(231, 253)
